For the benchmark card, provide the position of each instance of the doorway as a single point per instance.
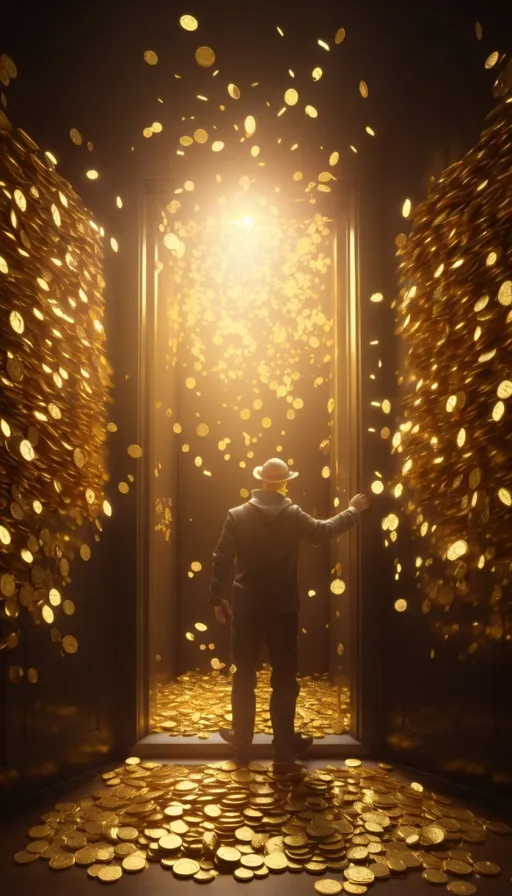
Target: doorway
(249, 325)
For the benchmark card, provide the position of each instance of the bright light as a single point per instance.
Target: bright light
(248, 222)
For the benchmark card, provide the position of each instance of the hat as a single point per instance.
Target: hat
(274, 470)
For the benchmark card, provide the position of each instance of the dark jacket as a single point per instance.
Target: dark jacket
(260, 539)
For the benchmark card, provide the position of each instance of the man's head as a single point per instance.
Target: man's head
(274, 475)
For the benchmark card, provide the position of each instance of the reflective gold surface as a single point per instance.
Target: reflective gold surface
(197, 704)
(453, 444)
(349, 825)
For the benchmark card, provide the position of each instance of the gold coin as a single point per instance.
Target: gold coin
(189, 23)
(252, 860)
(205, 57)
(489, 869)
(134, 863)
(261, 872)
(25, 858)
(173, 811)
(435, 876)
(39, 832)
(205, 877)
(380, 871)
(315, 867)
(94, 870)
(461, 888)
(355, 889)
(243, 874)
(228, 855)
(431, 835)
(357, 854)
(108, 874)
(127, 833)
(86, 856)
(454, 866)
(328, 887)
(179, 827)
(184, 868)
(357, 874)
(396, 865)
(62, 861)
(38, 846)
(170, 843)
(244, 834)
(276, 861)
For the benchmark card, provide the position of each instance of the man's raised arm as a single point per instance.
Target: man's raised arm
(317, 531)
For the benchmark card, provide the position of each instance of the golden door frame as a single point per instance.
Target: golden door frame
(346, 449)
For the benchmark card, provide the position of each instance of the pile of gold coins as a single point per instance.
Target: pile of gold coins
(196, 704)
(356, 823)
(453, 446)
(54, 380)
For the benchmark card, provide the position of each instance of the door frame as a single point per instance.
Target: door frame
(349, 396)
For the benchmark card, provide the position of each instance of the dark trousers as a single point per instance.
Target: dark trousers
(249, 634)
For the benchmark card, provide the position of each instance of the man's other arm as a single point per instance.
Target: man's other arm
(222, 566)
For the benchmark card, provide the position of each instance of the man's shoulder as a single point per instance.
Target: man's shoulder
(240, 508)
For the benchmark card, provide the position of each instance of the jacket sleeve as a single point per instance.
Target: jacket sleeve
(317, 531)
(223, 563)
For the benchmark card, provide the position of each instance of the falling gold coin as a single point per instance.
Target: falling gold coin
(150, 57)
(291, 97)
(189, 23)
(204, 57)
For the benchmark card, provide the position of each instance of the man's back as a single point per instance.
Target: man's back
(262, 537)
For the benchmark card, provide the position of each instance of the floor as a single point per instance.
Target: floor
(38, 878)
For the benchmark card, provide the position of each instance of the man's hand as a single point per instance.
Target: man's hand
(359, 503)
(223, 611)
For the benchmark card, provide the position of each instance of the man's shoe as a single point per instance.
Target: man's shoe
(242, 754)
(228, 736)
(302, 744)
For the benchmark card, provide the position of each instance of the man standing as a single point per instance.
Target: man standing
(260, 540)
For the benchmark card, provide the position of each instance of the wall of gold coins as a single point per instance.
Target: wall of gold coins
(452, 447)
(54, 386)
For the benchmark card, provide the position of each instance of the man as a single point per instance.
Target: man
(261, 540)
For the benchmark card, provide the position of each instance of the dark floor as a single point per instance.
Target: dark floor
(38, 879)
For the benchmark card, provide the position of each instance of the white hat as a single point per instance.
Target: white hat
(274, 470)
